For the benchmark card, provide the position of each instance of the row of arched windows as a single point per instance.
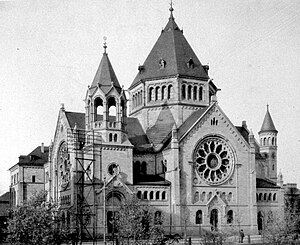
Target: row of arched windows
(268, 141)
(191, 92)
(137, 99)
(199, 217)
(207, 196)
(152, 195)
(266, 197)
(164, 92)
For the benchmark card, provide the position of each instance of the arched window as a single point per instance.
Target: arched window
(157, 89)
(196, 196)
(157, 217)
(265, 197)
(110, 137)
(273, 141)
(274, 197)
(134, 101)
(198, 217)
(269, 141)
(139, 195)
(183, 88)
(229, 217)
(150, 95)
(98, 105)
(260, 196)
(202, 198)
(265, 141)
(157, 195)
(189, 92)
(115, 137)
(229, 198)
(112, 110)
(170, 91)
(145, 195)
(270, 197)
(163, 92)
(140, 98)
(195, 93)
(163, 195)
(151, 197)
(200, 94)
(256, 197)
(209, 196)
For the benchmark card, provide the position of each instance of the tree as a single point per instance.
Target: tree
(136, 222)
(37, 222)
(282, 229)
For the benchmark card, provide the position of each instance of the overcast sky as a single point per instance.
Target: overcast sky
(50, 51)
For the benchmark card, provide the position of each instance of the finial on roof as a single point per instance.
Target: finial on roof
(104, 44)
(171, 8)
(267, 107)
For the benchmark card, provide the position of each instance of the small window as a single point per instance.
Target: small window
(151, 195)
(183, 92)
(115, 138)
(229, 217)
(157, 195)
(33, 178)
(139, 195)
(145, 196)
(157, 217)
(163, 195)
(199, 217)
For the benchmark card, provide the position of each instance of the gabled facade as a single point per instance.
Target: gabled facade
(173, 147)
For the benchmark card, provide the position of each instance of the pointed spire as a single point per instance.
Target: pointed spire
(171, 10)
(268, 124)
(105, 76)
(172, 48)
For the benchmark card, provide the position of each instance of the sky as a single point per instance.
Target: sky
(50, 51)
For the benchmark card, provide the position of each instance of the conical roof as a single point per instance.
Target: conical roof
(105, 75)
(172, 48)
(268, 124)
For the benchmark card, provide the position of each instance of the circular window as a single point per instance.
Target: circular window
(214, 160)
(113, 169)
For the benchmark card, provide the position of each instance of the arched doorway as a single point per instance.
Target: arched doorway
(214, 219)
(260, 219)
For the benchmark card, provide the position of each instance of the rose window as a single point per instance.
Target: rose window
(214, 160)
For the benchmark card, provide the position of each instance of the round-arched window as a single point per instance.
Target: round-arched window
(214, 160)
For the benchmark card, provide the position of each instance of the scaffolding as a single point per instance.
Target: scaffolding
(86, 148)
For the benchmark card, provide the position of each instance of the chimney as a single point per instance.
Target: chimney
(42, 148)
(244, 124)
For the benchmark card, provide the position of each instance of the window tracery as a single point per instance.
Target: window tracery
(214, 160)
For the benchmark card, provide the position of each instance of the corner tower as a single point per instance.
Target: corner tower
(268, 145)
(172, 78)
(105, 103)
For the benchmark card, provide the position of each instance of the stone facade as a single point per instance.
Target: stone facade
(173, 147)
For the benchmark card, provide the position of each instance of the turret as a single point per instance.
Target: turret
(268, 145)
(106, 103)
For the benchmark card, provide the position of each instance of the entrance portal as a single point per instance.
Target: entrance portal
(214, 219)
